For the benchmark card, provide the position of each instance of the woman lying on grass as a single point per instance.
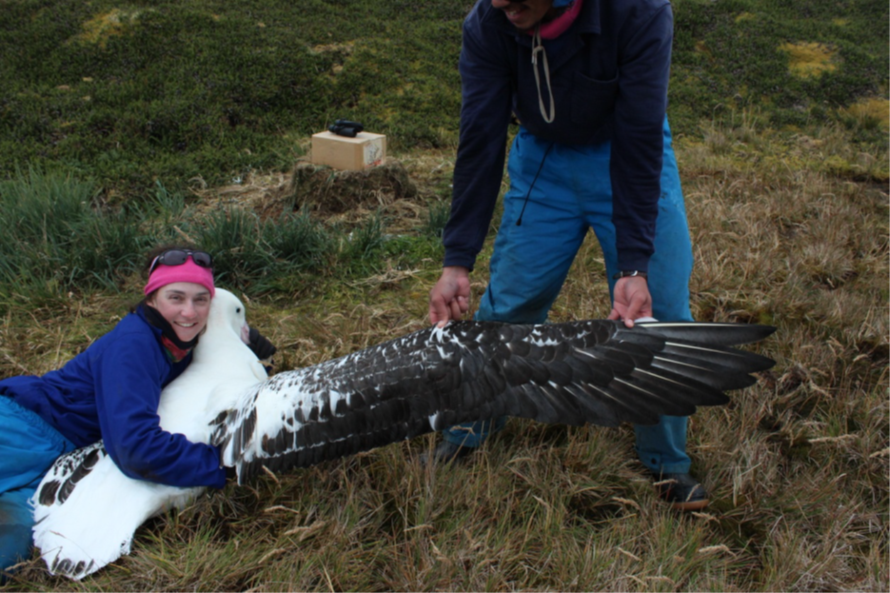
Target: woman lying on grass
(111, 392)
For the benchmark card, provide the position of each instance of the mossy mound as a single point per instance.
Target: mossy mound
(325, 191)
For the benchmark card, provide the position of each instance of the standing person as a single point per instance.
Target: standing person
(587, 80)
(111, 392)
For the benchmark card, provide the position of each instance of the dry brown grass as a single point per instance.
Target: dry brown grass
(797, 465)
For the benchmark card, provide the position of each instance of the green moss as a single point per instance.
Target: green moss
(174, 90)
(212, 89)
(725, 56)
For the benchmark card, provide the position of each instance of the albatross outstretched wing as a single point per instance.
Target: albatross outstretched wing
(596, 371)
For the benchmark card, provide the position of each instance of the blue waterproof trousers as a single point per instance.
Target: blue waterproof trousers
(28, 448)
(572, 193)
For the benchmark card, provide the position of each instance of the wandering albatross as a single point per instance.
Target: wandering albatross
(594, 371)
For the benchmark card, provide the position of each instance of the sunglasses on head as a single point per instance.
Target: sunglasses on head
(177, 257)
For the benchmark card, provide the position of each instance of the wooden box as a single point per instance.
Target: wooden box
(348, 154)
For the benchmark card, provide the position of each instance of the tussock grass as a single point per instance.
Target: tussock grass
(53, 238)
(60, 238)
(797, 464)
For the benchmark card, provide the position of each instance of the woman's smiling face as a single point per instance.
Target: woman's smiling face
(185, 306)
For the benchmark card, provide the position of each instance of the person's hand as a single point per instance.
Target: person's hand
(632, 300)
(450, 297)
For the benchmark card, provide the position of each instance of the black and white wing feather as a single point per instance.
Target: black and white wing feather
(597, 372)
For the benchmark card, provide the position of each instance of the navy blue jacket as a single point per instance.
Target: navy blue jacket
(111, 391)
(609, 75)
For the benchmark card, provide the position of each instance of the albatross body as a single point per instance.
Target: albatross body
(594, 371)
(86, 510)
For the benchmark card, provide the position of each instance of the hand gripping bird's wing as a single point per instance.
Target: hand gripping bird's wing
(595, 372)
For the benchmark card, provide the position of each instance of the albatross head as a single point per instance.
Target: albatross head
(227, 320)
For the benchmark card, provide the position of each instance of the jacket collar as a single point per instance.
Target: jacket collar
(588, 21)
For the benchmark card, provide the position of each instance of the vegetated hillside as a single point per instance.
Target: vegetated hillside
(181, 89)
(209, 90)
(803, 63)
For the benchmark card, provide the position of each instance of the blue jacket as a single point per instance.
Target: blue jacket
(111, 391)
(609, 75)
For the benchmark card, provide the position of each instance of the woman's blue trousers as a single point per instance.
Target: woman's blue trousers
(28, 448)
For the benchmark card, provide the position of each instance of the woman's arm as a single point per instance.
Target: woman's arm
(129, 376)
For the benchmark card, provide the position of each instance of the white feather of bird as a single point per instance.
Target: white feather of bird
(593, 371)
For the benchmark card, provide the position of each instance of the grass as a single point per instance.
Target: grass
(60, 239)
(199, 91)
(196, 90)
(53, 240)
(112, 140)
(797, 464)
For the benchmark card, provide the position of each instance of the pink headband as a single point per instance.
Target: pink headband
(187, 272)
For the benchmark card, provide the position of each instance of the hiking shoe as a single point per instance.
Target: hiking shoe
(446, 452)
(682, 491)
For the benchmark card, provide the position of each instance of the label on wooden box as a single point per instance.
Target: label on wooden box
(348, 154)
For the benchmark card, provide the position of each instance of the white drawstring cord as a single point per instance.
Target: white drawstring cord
(538, 46)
